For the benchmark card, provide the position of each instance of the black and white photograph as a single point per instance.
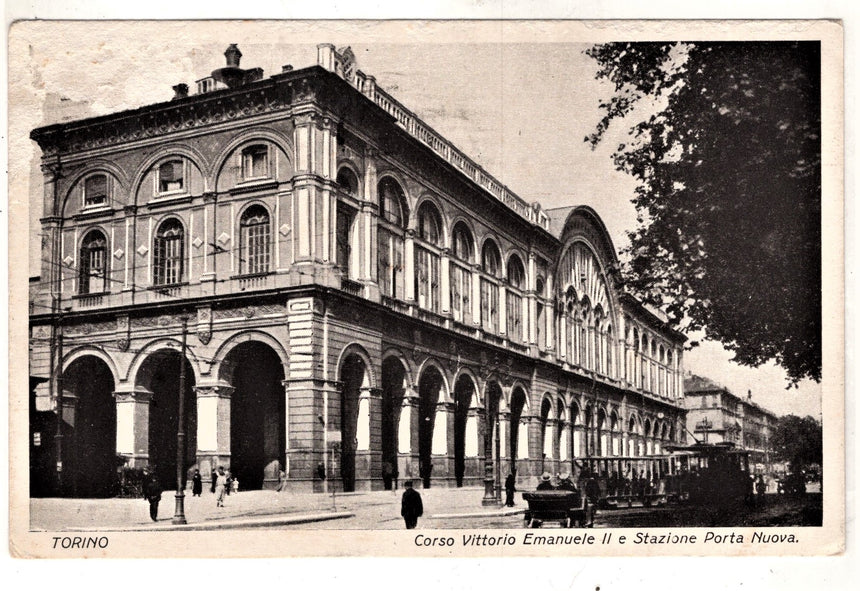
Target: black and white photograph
(525, 288)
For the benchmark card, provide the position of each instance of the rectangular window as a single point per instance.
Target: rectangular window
(171, 177)
(490, 306)
(257, 255)
(427, 279)
(344, 225)
(95, 190)
(390, 264)
(255, 162)
(461, 290)
(168, 269)
(515, 317)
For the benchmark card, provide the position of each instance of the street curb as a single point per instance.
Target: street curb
(477, 514)
(265, 521)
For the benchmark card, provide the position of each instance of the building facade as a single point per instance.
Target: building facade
(714, 415)
(354, 296)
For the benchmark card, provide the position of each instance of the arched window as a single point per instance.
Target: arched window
(390, 235)
(514, 299)
(392, 203)
(429, 223)
(347, 180)
(92, 277)
(491, 265)
(462, 243)
(255, 250)
(95, 190)
(169, 249)
(462, 251)
(610, 347)
(427, 280)
(255, 162)
(491, 261)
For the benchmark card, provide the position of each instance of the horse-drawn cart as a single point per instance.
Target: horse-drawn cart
(562, 506)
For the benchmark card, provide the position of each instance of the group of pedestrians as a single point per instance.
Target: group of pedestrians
(222, 485)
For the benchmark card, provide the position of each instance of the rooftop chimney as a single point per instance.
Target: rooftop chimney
(749, 394)
(180, 91)
(287, 68)
(233, 56)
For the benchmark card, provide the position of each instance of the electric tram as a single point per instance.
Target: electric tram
(696, 474)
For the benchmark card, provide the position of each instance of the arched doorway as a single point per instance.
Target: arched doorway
(546, 435)
(353, 377)
(429, 394)
(393, 388)
(159, 374)
(464, 390)
(89, 432)
(257, 414)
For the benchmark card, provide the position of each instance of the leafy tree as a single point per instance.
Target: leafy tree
(797, 441)
(726, 149)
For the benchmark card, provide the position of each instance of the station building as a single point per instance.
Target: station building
(357, 298)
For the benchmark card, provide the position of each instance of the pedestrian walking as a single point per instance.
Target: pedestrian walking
(228, 487)
(411, 507)
(214, 480)
(282, 481)
(197, 484)
(592, 494)
(152, 493)
(510, 489)
(387, 474)
(220, 486)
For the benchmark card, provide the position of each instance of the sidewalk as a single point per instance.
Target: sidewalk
(262, 508)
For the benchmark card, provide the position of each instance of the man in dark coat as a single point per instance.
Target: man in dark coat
(411, 507)
(545, 482)
(510, 489)
(152, 493)
(197, 484)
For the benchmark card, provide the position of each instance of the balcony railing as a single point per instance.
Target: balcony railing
(352, 287)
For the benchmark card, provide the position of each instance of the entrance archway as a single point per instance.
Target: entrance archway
(393, 388)
(257, 414)
(89, 432)
(464, 389)
(429, 394)
(353, 377)
(159, 374)
(492, 402)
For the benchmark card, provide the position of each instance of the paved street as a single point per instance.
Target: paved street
(444, 508)
(370, 510)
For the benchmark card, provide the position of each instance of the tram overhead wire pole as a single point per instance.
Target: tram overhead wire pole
(179, 512)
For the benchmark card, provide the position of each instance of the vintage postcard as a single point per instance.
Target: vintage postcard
(426, 288)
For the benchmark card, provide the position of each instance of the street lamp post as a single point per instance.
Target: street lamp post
(498, 461)
(179, 513)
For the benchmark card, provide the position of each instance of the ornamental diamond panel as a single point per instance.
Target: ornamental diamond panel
(284, 230)
(197, 242)
(142, 250)
(118, 253)
(69, 260)
(224, 238)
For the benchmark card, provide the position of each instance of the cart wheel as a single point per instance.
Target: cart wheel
(534, 524)
(567, 523)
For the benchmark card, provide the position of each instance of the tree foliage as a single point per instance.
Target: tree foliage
(798, 441)
(726, 150)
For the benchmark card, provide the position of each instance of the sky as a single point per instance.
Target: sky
(519, 102)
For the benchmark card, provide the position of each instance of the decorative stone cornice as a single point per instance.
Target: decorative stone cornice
(266, 96)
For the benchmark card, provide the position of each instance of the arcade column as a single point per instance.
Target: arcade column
(213, 427)
(132, 425)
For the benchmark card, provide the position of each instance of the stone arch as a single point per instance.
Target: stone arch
(432, 429)
(356, 171)
(395, 383)
(445, 236)
(432, 362)
(192, 154)
(169, 343)
(355, 348)
(408, 212)
(460, 219)
(519, 436)
(95, 351)
(88, 426)
(99, 165)
(247, 136)
(243, 337)
(465, 397)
